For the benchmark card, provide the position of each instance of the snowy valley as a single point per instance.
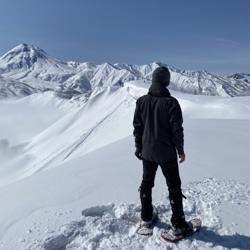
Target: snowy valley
(68, 174)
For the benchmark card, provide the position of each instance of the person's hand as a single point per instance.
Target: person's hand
(182, 158)
(138, 154)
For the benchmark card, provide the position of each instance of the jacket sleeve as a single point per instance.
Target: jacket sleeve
(176, 121)
(138, 127)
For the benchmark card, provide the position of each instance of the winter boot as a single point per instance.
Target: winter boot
(146, 227)
(181, 227)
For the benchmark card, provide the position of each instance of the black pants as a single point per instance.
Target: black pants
(171, 172)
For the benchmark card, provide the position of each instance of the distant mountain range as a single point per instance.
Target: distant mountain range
(27, 69)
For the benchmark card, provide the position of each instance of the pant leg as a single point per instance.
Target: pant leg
(149, 171)
(171, 172)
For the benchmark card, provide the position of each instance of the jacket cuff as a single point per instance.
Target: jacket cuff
(180, 151)
(138, 147)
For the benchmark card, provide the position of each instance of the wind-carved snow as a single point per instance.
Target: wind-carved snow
(33, 70)
(113, 226)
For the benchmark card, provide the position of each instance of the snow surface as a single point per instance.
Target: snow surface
(69, 179)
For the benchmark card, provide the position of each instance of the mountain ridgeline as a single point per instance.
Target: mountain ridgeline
(27, 69)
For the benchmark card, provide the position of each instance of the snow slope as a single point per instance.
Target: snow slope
(54, 200)
(69, 178)
(87, 127)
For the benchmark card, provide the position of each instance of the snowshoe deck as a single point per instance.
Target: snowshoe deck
(168, 235)
(147, 230)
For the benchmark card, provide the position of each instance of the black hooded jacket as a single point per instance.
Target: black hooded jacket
(158, 126)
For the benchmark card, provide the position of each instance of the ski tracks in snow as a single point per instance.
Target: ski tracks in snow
(87, 134)
(113, 226)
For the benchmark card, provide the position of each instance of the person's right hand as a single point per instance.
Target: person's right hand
(182, 158)
(138, 154)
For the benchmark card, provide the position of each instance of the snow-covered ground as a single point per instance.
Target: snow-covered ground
(69, 179)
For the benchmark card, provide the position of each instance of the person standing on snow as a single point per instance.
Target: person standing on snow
(159, 138)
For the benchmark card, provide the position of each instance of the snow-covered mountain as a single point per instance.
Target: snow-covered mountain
(13, 88)
(241, 76)
(30, 65)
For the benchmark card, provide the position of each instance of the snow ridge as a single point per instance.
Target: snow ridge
(30, 65)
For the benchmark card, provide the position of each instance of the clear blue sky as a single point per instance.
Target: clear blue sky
(192, 34)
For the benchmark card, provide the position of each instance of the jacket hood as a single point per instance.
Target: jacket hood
(158, 90)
